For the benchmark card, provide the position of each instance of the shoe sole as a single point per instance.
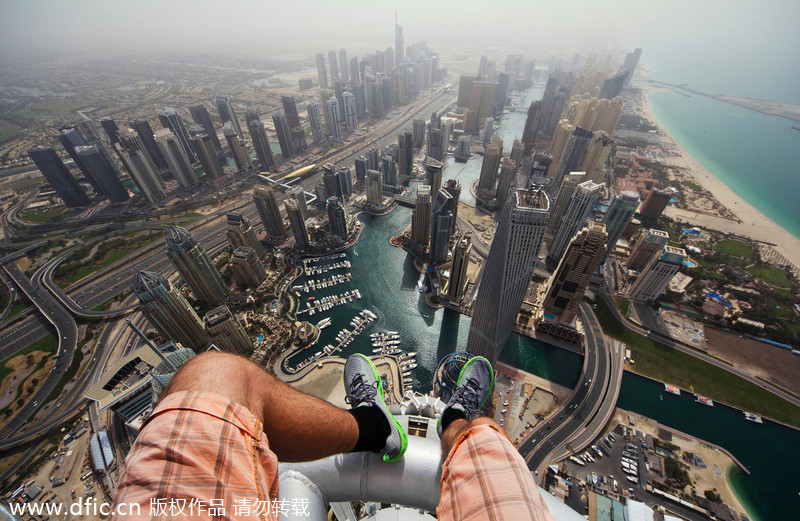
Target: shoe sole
(461, 375)
(389, 416)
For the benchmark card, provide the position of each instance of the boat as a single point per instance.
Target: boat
(632, 479)
(704, 400)
(597, 450)
(672, 389)
(409, 367)
(630, 472)
(753, 417)
(553, 468)
(616, 486)
(576, 461)
(594, 478)
(325, 322)
(420, 283)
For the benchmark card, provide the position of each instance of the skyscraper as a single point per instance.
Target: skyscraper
(508, 170)
(111, 128)
(333, 187)
(565, 193)
(176, 159)
(389, 169)
(421, 216)
(315, 120)
(655, 203)
(143, 173)
(630, 63)
(569, 282)
(59, 176)
(258, 134)
(657, 274)
(226, 331)
(240, 233)
(491, 163)
(344, 66)
(399, 43)
(433, 174)
(170, 119)
(361, 164)
(354, 71)
(350, 118)
(247, 269)
(458, 270)
(297, 194)
(240, 155)
(201, 116)
(99, 167)
(453, 187)
(204, 148)
(196, 269)
(146, 134)
(168, 311)
(250, 115)
(578, 209)
(70, 139)
(435, 147)
(649, 244)
(284, 134)
(226, 113)
(613, 85)
(619, 214)
(405, 143)
(337, 217)
(574, 152)
(333, 63)
(345, 179)
(441, 223)
(418, 132)
(297, 224)
(374, 188)
(335, 129)
(512, 257)
(270, 213)
(532, 125)
(321, 73)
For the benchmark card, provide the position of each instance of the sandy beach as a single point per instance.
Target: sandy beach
(753, 223)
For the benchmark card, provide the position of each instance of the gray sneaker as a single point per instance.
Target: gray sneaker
(474, 387)
(364, 388)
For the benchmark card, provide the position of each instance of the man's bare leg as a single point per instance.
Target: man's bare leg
(457, 427)
(299, 427)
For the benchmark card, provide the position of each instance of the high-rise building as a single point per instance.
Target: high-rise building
(441, 224)
(70, 139)
(433, 174)
(532, 125)
(297, 224)
(421, 216)
(142, 172)
(648, 245)
(111, 128)
(251, 115)
(333, 188)
(321, 72)
(350, 118)
(619, 214)
(435, 147)
(333, 63)
(399, 43)
(405, 143)
(59, 176)
(613, 86)
(491, 163)
(570, 280)
(609, 113)
(345, 179)
(258, 134)
(501, 94)
(574, 152)
(562, 135)
(239, 153)
(594, 162)
(374, 188)
(269, 211)
(565, 193)
(170, 119)
(578, 209)
(508, 168)
(507, 273)
(204, 148)
(418, 132)
(337, 217)
(344, 66)
(226, 113)
(551, 112)
(247, 268)
(335, 129)
(517, 151)
(201, 116)
(176, 159)
(241, 233)
(315, 121)
(100, 168)
(226, 331)
(196, 269)
(354, 71)
(297, 194)
(361, 164)
(458, 271)
(168, 311)
(655, 203)
(284, 134)
(146, 134)
(630, 63)
(657, 274)
(453, 187)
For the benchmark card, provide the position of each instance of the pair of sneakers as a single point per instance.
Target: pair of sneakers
(364, 388)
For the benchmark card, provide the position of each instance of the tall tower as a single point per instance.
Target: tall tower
(453, 187)
(421, 216)
(335, 129)
(196, 269)
(565, 193)
(168, 311)
(201, 116)
(656, 275)
(532, 125)
(204, 147)
(247, 268)
(99, 168)
(508, 170)
(344, 66)
(297, 194)
(574, 152)
(270, 213)
(569, 282)
(226, 331)
(170, 119)
(399, 43)
(111, 128)
(337, 217)
(441, 223)
(315, 120)
(240, 155)
(374, 188)
(655, 203)
(405, 144)
(59, 176)
(321, 73)
(433, 174)
(143, 173)
(649, 244)
(491, 163)
(284, 134)
(578, 209)
(630, 63)
(458, 271)
(619, 214)
(614, 84)
(146, 134)
(258, 134)
(176, 159)
(351, 121)
(70, 139)
(333, 63)
(297, 224)
(508, 270)
(226, 113)
(240, 233)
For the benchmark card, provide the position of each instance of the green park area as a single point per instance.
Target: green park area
(734, 247)
(42, 216)
(771, 275)
(666, 364)
(26, 360)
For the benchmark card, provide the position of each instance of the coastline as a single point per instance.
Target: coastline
(753, 225)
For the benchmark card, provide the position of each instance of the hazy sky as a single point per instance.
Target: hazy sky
(761, 37)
